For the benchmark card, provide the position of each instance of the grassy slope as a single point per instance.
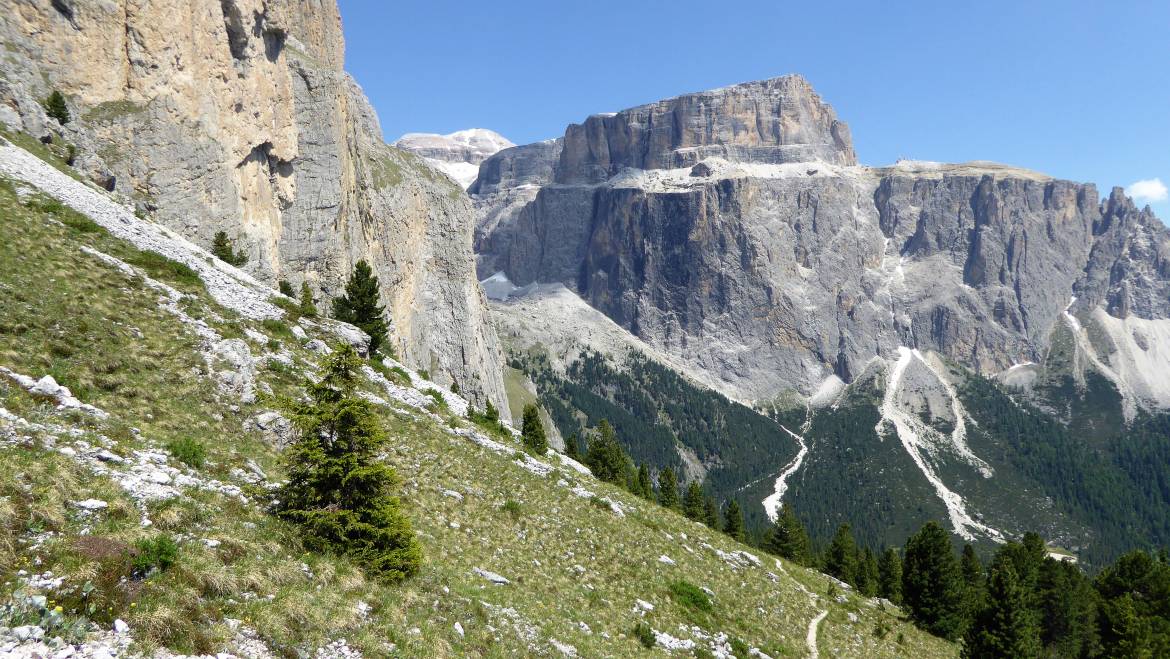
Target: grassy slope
(64, 312)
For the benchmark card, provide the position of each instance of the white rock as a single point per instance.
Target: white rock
(491, 576)
(459, 629)
(666, 559)
(91, 504)
(46, 386)
(318, 346)
(453, 494)
(160, 477)
(120, 626)
(28, 633)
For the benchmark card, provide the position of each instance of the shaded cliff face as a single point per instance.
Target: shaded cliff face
(238, 116)
(735, 231)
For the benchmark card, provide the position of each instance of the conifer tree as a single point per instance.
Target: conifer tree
(932, 584)
(283, 286)
(56, 108)
(667, 488)
(606, 459)
(788, 538)
(973, 579)
(645, 488)
(338, 489)
(693, 502)
(361, 306)
(841, 559)
(1068, 607)
(890, 576)
(733, 521)
(221, 248)
(572, 447)
(307, 307)
(532, 431)
(1005, 626)
(711, 513)
(490, 413)
(867, 573)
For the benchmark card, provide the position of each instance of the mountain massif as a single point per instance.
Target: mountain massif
(710, 287)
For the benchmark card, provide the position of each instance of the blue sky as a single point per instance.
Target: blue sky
(1077, 89)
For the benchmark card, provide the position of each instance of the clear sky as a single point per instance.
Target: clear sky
(1077, 89)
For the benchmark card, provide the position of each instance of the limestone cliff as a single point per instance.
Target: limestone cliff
(735, 231)
(237, 115)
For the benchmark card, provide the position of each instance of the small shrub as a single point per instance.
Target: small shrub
(645, 635)
(599, 502)
(188, 451)
(512, 507)
(424, 374)
(437, 396)
(277, 327)
(738, 647)
(286, 305)
(307, 307)
(285, 288)
(157, 265)
(690, 596)
(401, 373)
(159, 552)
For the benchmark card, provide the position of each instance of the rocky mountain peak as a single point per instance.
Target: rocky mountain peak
(780, 120)
(456, 154)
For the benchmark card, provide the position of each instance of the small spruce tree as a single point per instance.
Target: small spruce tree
(788, 538)
(711, 513)
(221, 248)
(733, 526)
(890, 576)
(283, 286)
(56, 108)
(361, 306)
(645, 488)
(338, 489)
(841, 559)
(532, 431)
(693, 502)
(1005, 626)
(490, 413)
(867, 573)
(932, 583)
(573, 448)
(667, 488)
(307, 307)
(605, 458)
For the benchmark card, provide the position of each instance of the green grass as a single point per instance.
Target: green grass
(66, 312)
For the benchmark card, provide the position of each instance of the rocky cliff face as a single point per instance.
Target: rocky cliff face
(734, 230)
(244, 121)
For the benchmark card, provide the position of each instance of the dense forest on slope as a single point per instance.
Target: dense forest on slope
(1113, 479)
(656, 413)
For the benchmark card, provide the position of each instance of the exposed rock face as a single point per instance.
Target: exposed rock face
(733, 230)
(457, 154)
(245, 121)
(771, 121)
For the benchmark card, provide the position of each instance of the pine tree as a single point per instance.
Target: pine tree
(890, 576)
(221, 248)
(1005, 626)
(573, 448)
(711, 513)
(973, 579)
(693, 502)
(360, 305)
(532, 431)
(788, 538)
(932, 584)
(283, 286)
(56, 108)
(667, 488)
(733, 524)
(307, 307)
(605, 458)
(1068, 607)
(645, 488)
(841, 559)
(1126, 633)
(490, 413)
(338, 489)
(867, 573)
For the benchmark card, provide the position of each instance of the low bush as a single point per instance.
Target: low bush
(159, 552)
(157, 265)
(189, 451)
(645, 635)
(690, 596)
